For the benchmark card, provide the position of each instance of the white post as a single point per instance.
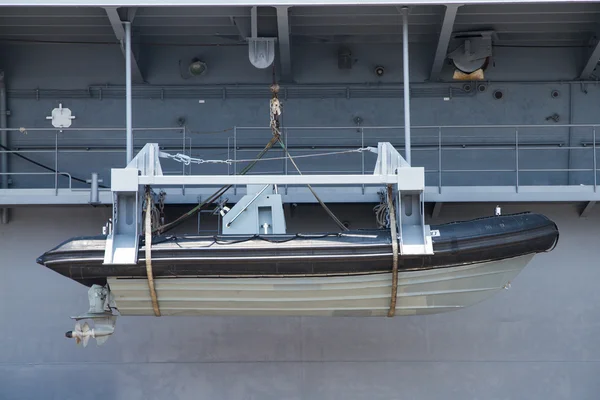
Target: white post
(405, 66)
(128, 91)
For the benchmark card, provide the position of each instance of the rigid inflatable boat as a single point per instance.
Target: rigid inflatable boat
(316, 274)
(256, 267)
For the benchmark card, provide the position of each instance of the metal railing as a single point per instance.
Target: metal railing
(92, 147)
(512, 155)
(450, 140)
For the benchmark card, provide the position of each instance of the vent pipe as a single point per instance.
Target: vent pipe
(128, 111)
(406, 84)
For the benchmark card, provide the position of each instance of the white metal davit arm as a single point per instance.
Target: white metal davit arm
(391, 168)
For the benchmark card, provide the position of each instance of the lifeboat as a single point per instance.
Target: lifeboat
(316, 274)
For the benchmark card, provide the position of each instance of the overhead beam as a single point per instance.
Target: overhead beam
(587, 209)
(283, 33)
(591, 63)
(266, 3)
(443, 41)
(117, 25)
(131, 13)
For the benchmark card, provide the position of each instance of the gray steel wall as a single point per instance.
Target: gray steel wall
(527, 77)
(538, 340)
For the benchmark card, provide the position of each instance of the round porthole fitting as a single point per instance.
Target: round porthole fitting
(555, 94)
(498, 94)
(467, 87)
(481, 88)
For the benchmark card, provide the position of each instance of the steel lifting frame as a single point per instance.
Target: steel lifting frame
(391, 168)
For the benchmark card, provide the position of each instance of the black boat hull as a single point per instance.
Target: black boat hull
(358, 252)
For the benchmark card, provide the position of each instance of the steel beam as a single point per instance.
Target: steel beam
(587, 209)
(283, 33)
(119, 29)
(591, 63)
(329, 194)
(176, 3)
(443, 41)
(412, 179)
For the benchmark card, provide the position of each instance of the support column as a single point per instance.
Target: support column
(406, 90)
(4, 143)
(128, 116)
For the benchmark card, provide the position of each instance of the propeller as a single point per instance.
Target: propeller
(81, 334)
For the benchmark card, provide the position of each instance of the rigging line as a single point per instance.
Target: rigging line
(216, 195)
(276, 115)
(44, 166)
(327, 210)
(394, 237)
(187, 160)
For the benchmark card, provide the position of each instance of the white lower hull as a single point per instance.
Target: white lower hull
(419, 292)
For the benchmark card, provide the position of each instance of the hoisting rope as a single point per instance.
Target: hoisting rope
(327, 210)
(274, 114)
(275, 127)
(148, 248)
(394, 234)
(215, 196)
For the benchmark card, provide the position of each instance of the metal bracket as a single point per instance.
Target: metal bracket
(94, 191)
(414, 235)
(261, 212)
(261, 50)
(122, 244)
(258, 212)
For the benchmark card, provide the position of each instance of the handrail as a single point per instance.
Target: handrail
(237, 143)
(43, 173)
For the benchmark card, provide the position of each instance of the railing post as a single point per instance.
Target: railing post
(56, 164)
(439, 159)
(517, 157)
(595, 169)
(285, 142)
(235, 156)
(183, 146)
(183, 152)
(4, 217)
(362, 154)
(284, 135)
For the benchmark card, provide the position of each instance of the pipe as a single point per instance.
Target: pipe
(128, 116)
(4, 143)
(406, 84)
(94, 195)
(569, 160)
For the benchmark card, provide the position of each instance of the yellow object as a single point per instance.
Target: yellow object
(473, 76)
